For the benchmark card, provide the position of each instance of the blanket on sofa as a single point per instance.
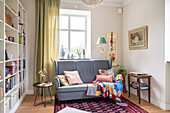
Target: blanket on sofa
(106, 89)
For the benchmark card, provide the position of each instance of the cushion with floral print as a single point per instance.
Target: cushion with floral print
(109, 72)
(63, 80)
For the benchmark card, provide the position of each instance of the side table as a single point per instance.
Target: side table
(139, 77)
(43, 94)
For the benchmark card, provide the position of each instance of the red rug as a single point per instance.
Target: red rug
(100, 105)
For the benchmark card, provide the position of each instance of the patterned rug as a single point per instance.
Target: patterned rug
(100, 105)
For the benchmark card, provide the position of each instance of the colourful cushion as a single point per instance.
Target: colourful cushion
(104, 78)
(73, 77)
(63, 80)
(109, 72)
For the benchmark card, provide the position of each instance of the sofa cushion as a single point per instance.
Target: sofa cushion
(85, 69)
(73, 77)
(63, 80)
(104, 78)
(109, 72)
(72, 88)
(100, 64)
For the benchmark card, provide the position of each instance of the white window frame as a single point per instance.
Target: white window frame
(79, 13)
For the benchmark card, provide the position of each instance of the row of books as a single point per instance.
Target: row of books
(142, 85)
(9, 83)
(11, 68)
(1, 93)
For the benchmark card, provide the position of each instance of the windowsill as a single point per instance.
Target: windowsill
(168, 61)
(76, 59)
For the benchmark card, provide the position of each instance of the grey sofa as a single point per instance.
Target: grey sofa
(87, 71)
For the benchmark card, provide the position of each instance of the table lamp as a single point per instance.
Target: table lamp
(101, 41)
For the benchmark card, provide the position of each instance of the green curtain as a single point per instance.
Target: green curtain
(47, 38)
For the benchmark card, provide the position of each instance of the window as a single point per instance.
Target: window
(74, 32)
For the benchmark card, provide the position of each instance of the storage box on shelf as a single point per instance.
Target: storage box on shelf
(12, 55)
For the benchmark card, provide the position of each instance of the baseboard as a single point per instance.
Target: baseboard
(30, 91)
(154, 101)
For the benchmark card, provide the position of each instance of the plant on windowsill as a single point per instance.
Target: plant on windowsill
(78, 51)
(84, 53)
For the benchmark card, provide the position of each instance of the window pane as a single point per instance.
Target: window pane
(63, 22)
(63, 44)
(77, 23)
(77, 41)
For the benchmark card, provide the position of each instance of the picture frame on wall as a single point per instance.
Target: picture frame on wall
(111, 48)
(138, 38)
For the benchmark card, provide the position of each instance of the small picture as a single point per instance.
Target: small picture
(138, 38)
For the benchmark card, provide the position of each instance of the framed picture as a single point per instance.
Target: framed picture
(111, 48)
(138, 38)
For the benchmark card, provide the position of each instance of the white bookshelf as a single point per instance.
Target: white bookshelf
(16, 51)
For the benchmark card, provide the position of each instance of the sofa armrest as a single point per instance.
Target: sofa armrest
(57, 82)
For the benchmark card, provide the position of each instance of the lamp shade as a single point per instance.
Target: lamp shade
(101, 40)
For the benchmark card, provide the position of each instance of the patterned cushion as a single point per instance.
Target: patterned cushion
(63, 80)
(109, 72)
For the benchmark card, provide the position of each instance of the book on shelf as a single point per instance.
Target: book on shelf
(9, 84)
(1, 93)
(138, 73)
(136, 85)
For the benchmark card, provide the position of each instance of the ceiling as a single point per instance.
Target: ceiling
(118, 3)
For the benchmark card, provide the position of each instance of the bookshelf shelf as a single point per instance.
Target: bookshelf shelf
(1, 21)
(11, 15)
(9, 9)
(9, 42)
(11, 60)
(1, 80)
(1, 101)
(11, 90)
(11, 75)
(8, 27)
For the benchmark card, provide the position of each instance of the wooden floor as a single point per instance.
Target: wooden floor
(27, 105)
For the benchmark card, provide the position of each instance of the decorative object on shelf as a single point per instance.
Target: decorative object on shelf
(6, 55)
(8, 18)
(43, 74)
(111, 48)
(14, 11)
(101, 41)
(62, 52)
(92, 3)
(84, 53)
(68, 56)
(138, 38)
(78, 51)
(72, 56)
(11, 39)
(124, 72)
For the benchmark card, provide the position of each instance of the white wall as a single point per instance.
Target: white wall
(136, 14)
(104, 19)
(29, 6)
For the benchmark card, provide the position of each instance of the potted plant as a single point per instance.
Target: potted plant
(79, 53)
(84, 53)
